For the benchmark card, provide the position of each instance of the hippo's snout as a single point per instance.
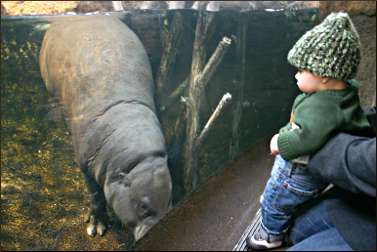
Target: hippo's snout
(142, 228)
(145, 198)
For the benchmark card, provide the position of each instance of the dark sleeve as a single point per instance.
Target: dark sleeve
(297, 100)
(348, 162)
(317, 117)
(286, 128)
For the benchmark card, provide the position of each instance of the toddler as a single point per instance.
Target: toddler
(327, 58)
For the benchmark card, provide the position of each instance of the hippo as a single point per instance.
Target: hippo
(100, 73)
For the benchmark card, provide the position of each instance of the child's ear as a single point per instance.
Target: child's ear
(325, 80)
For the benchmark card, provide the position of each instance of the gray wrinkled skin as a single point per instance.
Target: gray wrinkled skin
(99, 70)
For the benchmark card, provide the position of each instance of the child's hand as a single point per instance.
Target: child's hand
(274, 145)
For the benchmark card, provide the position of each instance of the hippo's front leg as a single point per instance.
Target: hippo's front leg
(97, 215)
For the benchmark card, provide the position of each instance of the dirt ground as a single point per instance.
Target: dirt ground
(14, 8)
(43, 197)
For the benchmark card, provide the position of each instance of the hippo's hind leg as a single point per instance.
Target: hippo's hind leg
(97, 215)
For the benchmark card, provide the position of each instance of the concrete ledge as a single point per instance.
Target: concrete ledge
(215, 216)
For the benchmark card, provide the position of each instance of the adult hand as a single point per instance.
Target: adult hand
(274, 145)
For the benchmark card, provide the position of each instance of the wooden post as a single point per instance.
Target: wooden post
(193, 101)
(200, 76)
(241, 56)
(117, 5)
(171, 36)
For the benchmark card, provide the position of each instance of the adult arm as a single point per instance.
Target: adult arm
(348, 162)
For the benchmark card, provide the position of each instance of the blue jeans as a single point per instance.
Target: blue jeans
(289, 186)
(313, 231)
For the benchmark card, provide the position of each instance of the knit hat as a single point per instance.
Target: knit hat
(330, 49)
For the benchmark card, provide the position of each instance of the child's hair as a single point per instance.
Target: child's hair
(330, 49)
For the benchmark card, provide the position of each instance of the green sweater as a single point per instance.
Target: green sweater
(319, 115)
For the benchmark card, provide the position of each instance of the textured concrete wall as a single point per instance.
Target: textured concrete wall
(363, 14)
(367, 8)
(366, 27)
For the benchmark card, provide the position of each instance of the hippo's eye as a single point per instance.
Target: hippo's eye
(122, 175)
(143, 206)
(143, 210)
(122, 179)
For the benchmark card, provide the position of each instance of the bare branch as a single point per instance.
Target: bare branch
(214, 61)
(224, 101)
(173, 97)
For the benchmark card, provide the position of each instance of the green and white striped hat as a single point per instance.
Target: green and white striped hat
(330, 49)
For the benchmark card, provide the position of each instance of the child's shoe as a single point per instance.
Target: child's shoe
(262, 240)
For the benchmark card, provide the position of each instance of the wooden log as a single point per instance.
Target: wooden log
(193, 104)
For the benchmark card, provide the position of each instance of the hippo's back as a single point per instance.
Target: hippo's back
(95, 56)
